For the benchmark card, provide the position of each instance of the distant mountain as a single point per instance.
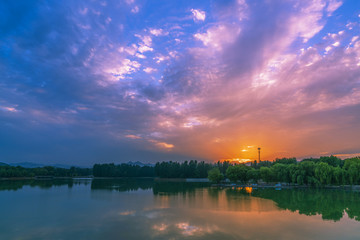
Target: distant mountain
(26, 164)
(36, 165)
(137, 163)
(65, 166)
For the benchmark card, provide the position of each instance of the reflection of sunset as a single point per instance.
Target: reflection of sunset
(210, 213)
(238, 214)
(126, 213)
(187, 229)
(248, 190)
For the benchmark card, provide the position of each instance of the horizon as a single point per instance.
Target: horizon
(231, 161)
(150, 81)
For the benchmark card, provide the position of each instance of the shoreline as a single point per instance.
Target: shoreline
(68, 178)
(277, 186)
(287, 186)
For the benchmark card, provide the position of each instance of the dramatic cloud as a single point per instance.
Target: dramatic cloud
(87, 82)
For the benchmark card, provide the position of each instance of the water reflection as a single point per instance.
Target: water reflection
(122, 185)
(330, 204)
(175, 188)
(148, 209)
(44, 184)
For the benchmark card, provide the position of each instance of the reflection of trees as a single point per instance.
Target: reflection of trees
(44, 184)
(330, 204)
(109, 184)
(214, 193)
(174, 188)
(122, 185)
(13, 185)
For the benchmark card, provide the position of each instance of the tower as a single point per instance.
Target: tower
(259, 153)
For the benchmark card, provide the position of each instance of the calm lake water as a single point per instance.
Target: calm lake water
(144, 209)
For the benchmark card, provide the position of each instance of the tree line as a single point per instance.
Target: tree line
(122, 170)
(21, 172)
(191, 169)
(186, 169)
(313, 171)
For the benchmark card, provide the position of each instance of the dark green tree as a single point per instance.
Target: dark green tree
(323, 173)
(215, 175)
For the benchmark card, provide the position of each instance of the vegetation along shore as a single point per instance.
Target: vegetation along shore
(319, 172)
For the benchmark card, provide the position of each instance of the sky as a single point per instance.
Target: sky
(86, 82)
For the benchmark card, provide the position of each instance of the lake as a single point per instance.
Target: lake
(145, 209)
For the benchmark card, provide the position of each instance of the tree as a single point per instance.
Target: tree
(253, 174)
(305, 173)
(223, 166)
(238, 173)
(215, 175)
(285, 160)
(202, 169)
(352, 166)
(281, 172)
(323, 173)
(267, 174)
(332, 161)
(232, 174)
(339, 176)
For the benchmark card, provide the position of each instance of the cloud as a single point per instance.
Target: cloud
(8, 109)
(160, 58)
(216, 37)
(149, 70)
(126, 67)
(158, 32)
(198, 15)
(133, 136)
(253, 75)
(162, 145)
(131, 50)
(145, 48)
(333, 6)
(140, 55)
(135, 9)
(83, 11)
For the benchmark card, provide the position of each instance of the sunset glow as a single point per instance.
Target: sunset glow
(236, 160)
(116, 81)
